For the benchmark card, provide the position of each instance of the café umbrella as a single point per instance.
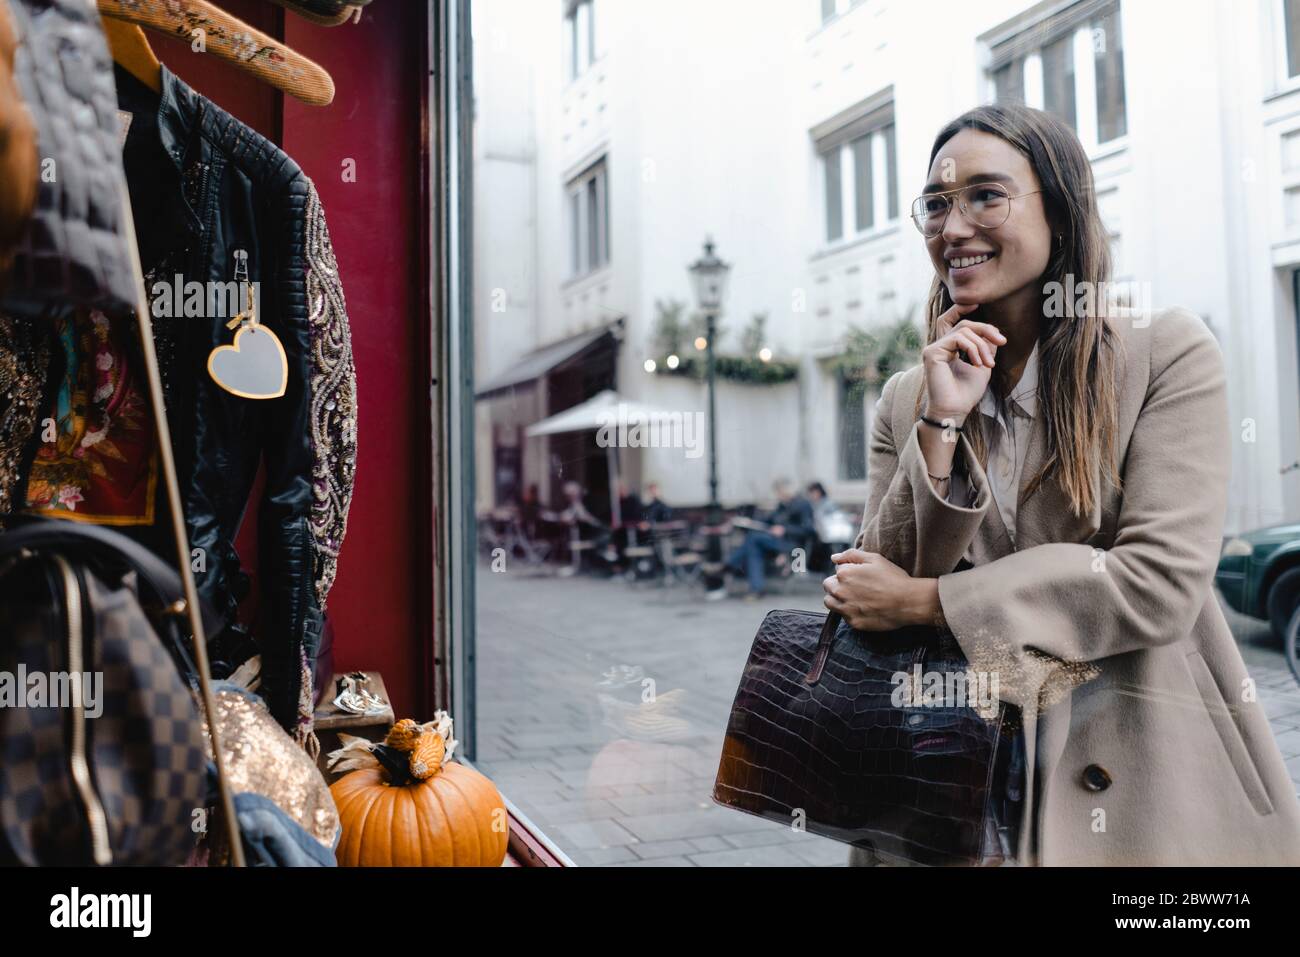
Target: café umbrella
(606, 410)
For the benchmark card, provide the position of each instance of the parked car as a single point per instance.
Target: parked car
(1259, 574)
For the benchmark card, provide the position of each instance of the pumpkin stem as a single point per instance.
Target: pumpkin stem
(395, 764)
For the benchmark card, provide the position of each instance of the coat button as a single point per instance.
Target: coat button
(1096, 778)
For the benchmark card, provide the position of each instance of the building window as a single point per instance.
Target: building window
(834, 8)
(588, 215)
(853, 430)
(1009, 82)
(1058, 79)
(579, 37)
(1291, 13)
(1108, 57)
(834, 194)
(1071, 65)
(861, 182)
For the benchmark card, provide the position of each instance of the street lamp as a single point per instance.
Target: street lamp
(709, 275)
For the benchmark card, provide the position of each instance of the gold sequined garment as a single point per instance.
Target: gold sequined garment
(334, 399)
(25, 350)
(261, 757)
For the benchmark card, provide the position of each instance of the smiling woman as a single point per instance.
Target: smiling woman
(1050, 489)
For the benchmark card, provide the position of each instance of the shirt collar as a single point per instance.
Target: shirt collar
(1024, 397)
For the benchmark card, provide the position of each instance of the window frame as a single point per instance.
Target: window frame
(838, 9)
(1024, 38)
(578, 215)
(885, 210)
(1283, 82)
(576, 14)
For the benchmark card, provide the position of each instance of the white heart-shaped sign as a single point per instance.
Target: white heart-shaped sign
(254, 367)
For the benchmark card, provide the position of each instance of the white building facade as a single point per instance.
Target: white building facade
(796, 133)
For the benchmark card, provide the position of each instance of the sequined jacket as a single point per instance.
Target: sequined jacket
(204, 185)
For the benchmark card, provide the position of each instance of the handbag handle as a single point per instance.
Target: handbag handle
(829, 627)
(177, 514)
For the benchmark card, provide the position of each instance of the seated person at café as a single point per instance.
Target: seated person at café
(655, 510)
(790, 526)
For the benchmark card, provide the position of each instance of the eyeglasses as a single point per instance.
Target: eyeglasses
(987, 205)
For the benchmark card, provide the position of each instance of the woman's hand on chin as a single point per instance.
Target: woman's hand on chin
(874, 594)
(959, 363)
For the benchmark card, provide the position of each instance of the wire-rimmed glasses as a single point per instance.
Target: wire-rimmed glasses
(986, 205)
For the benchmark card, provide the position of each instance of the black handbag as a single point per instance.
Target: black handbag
(101, 743)
(836, 731)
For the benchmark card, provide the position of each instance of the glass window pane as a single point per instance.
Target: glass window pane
(1009, 82)
(834, 195)
(604, 216)
(593, 226)
(891, 171)
(582, 36)
(853, 431)
(571, 46)
(1058, 78)
(1109, 56)
(863, 181)
(1291, 207)
(575, 224)
(1291, 11)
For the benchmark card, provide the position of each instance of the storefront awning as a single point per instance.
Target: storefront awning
(539, 362)
(606, 408)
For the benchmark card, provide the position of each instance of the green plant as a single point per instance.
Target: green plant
(870, 358)
(675, 334)
(671, 330)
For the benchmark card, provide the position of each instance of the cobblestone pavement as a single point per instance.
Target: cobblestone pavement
(562, 732)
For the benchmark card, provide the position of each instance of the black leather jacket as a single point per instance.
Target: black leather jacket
(204, 185)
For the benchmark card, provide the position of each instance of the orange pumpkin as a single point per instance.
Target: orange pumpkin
(453, 818)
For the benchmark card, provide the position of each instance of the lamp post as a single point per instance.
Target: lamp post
(709, 276)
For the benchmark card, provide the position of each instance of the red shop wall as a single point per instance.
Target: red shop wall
(380, 605)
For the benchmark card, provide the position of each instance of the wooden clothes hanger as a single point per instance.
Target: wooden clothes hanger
(225, 37)
(131, 51)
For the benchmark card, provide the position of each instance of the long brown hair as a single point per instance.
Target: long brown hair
(1077, 355)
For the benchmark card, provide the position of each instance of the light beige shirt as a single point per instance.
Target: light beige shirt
(1009, 431)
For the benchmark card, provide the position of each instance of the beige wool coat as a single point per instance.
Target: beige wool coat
(1146, 741)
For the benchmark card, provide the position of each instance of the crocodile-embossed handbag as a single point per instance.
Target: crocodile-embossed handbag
(836, 731)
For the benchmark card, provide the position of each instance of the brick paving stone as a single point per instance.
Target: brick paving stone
(634, 805)
(569, 812)
(593, 834)
(660, 849)
(714, 820)
(774, 855)
(604, 856)
(820, 851)
(774, 834)
(658, 862)
(709, 844)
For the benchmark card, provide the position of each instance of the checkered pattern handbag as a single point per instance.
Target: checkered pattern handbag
(101, 748)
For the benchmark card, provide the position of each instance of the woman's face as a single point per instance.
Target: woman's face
(1019, 249)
